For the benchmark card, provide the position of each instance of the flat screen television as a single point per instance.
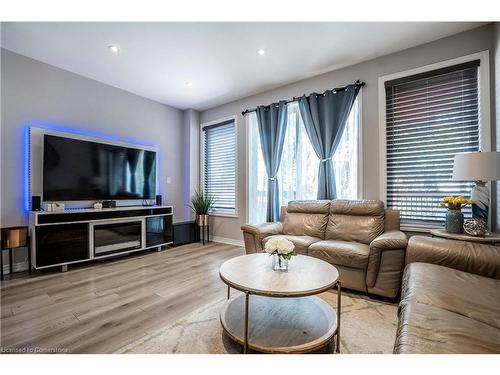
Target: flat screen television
(81, 170)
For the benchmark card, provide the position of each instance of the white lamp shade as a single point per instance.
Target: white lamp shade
(477, 166)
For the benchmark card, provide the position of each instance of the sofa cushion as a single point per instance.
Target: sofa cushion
(301, 243)
(463, 293)
(443, 310)
(306, 218)
(343, 253)
(427, 329)
(360, 221)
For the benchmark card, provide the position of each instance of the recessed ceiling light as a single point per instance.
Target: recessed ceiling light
(114, 48)
(261, 52)
(189, 84)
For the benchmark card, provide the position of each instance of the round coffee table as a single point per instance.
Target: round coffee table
(284, 315)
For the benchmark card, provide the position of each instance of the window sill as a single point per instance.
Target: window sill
(224, 214)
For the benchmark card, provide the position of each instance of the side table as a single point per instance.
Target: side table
(14, 238)
(491, 238)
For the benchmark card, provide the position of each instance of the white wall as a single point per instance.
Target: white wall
(444, 49)
(192, 158)
(36, 93)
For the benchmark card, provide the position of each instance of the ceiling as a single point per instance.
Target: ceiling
(220, 60)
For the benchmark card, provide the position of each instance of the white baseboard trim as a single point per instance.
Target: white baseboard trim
(229, 241)
(16, 267)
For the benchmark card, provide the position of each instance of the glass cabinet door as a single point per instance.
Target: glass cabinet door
(158, 230)
(61, 243)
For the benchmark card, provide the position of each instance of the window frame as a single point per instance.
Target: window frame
(202, 162)
(484, 116)
(360, 156)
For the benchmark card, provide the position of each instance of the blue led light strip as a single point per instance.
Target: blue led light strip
(70, 130)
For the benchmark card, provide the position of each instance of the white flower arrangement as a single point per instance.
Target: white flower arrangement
(281, 247)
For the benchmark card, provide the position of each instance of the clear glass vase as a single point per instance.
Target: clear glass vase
(280, 263)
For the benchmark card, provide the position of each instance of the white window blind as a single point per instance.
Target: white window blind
(429, 118)
(219, 179)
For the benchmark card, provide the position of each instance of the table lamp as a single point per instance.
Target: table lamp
(479, 167)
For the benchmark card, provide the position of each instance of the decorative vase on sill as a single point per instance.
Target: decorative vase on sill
(454, 217)
(282, 251)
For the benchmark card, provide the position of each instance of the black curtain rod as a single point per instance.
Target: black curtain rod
(296, 98)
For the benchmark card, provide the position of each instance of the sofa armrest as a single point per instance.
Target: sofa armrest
(390, 240)
(254, 234)
(393, 243)
(480, 259)
(264, 229)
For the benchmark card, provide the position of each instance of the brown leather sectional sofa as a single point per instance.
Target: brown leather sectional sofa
(361, 238)
(450, 300)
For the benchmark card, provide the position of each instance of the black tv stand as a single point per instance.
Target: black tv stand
(82, 235)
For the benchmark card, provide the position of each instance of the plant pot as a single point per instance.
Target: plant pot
(454, 221)
(202, 220)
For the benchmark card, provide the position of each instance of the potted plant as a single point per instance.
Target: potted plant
(282, 251)
(454, 216)
(201, 204)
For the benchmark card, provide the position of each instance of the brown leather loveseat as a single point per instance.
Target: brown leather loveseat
(450, 301)
(361, 238)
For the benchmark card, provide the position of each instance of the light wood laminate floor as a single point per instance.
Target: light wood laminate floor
(100, 307)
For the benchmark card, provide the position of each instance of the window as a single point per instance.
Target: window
(346, 158)
(298, 172)
(219, 165)
(430, 117)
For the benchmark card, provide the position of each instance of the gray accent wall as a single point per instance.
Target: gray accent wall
(472, 41)
(35, 93)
